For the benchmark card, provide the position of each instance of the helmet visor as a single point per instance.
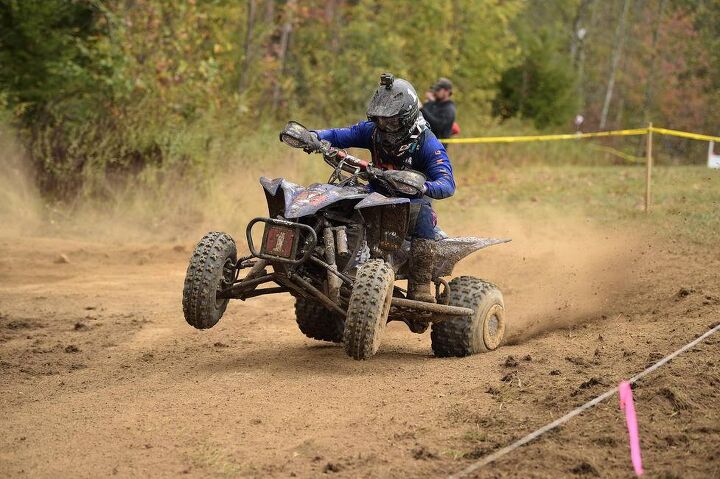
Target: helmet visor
(390, 124)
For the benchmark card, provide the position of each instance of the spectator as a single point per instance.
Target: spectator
(439, 110)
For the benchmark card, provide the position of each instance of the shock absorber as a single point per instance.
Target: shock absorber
(341, 240)
(333, 281)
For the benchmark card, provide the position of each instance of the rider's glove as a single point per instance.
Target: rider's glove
(315, 145)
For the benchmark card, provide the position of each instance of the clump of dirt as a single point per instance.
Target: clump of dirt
(510, 362)
(477, 453)
(585, 469)
(684, 292)
(18, 324)
(62, 258)
(423, 453)
(591, 382)
(577, 361)
(331, 467)
(606, 441)
(678, 400)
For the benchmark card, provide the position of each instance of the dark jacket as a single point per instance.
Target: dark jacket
(441, 116)
(429, 157)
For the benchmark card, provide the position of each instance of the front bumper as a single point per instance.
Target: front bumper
(282, 241)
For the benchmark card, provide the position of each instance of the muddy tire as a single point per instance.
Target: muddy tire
(479, 333)
(212, 268)
(317, 322)
(368, 309)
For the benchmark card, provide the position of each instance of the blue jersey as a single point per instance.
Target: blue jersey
(430, 157)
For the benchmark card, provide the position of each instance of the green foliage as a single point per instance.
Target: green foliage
(42, 51)
(684, 197)
(541, 88)
(467, 40)
(103, 90)
(49, 80)
(119, 91)
(483, 49)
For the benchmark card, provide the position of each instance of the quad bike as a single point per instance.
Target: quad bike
(338, 248)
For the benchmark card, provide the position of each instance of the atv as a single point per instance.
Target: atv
(339, 248)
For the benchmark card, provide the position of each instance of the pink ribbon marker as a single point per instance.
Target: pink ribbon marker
(627, 405)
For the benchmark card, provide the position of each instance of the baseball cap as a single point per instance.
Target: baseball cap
(442, 83)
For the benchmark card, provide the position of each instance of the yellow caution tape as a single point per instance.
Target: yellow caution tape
(578, 136)
(570, 136)
(683, 134)
(618, 153)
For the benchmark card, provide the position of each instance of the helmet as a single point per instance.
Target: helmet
(395, 109)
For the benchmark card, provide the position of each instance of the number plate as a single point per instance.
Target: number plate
(279, 241)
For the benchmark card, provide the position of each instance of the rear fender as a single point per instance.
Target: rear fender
(449, 251)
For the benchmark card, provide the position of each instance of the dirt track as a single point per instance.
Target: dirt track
(102, 376)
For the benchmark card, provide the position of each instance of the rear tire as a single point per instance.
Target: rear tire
(317, 322)
(368, 309)
(211, 269)
(479, 333)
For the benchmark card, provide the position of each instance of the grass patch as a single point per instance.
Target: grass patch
(685, 204)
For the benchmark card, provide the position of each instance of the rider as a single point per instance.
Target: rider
(398, 137)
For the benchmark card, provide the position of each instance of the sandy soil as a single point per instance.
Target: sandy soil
(100, 375)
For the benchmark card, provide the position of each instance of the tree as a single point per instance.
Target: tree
(42, 52)
(542, 86)
(617, 53)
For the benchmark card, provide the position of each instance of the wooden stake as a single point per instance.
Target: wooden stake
(648, 170)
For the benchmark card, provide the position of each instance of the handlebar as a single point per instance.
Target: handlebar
(351, 160)
(406, 182)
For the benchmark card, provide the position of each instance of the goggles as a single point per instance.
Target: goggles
(390, 124)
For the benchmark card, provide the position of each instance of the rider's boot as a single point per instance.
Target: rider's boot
(422, 258)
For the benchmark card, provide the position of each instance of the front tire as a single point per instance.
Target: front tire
(211, 269)
(368, 309)
(317, 322)
(478, 333)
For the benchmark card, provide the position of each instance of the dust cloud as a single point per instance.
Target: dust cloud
(20, 204)
(154, 206)
(560, 269)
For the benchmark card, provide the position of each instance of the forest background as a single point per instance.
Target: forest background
(128, 92)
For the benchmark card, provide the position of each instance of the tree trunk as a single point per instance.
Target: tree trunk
(577, 51)
(282, 54)
(332, 18)
(620, 111)
(650, 82)
(616, 54)
(270, 12)
(248, 49)
(577, 38)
